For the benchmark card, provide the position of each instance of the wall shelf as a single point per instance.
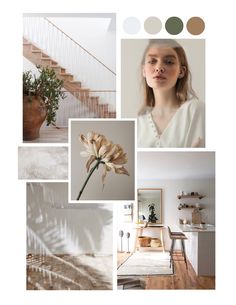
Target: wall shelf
(189, 196)
(190, 207)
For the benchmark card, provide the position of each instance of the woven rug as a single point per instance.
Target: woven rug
(67, 272)
(146, 263)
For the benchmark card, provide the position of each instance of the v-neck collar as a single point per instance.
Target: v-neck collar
(169, 123)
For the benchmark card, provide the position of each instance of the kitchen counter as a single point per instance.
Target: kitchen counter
(200, 248)
(197, 228)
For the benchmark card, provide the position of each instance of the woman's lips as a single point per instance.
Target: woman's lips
(159, 77)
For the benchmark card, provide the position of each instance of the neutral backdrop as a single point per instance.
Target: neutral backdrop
(117, 186)
(64, 228)
(131, 56)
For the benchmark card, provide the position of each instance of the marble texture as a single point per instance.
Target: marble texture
(43, 163)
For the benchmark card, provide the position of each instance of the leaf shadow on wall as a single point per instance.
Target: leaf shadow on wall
(58, 234)
(65, 228)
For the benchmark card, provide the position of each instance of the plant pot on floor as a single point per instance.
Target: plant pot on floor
(34, 114)
(41, 96)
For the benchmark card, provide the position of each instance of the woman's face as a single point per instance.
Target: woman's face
(162, 68)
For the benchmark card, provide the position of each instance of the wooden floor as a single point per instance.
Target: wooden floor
(51, 134)
(183, 278)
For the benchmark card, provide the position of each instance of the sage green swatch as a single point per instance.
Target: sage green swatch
(174, 25)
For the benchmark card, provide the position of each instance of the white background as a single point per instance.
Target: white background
(220, 97)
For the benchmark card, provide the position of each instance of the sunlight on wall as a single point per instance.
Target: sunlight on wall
(53, 226)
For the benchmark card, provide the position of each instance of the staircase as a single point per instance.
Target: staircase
(84, 95)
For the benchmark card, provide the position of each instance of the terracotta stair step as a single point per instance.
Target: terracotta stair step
(26, 42)
(111, 114)
(34, 48)
(102, 110)
(45, 55)
(77, 88)
(66, 76)
(82, 94)
(93, 101)
(37, 56)
(76, 91)
(58, 68)
(76, 83)
(46, 59)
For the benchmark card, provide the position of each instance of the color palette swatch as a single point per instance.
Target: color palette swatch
(173, 25)
(152, 25)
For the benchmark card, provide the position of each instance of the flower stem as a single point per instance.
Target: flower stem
(89, 175)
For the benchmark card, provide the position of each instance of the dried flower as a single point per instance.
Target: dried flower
(102, 151)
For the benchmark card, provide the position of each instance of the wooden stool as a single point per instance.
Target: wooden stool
(175, 236)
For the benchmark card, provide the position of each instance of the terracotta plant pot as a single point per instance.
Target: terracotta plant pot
(34, 114)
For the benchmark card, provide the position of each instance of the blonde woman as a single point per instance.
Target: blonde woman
(172, 115)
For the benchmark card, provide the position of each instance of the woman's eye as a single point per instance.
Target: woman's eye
(152, 61)
(169, 62)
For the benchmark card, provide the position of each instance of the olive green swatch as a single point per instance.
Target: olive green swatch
(174, 25)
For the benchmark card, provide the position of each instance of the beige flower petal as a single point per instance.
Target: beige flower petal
(113, 166)
(122, 170)
(89, 162)
(90, 136)
(98, 147)
(83, 140)
(122, 159)
(104, 149)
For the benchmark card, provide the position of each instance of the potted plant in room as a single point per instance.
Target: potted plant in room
(41, 97)
(152, 216)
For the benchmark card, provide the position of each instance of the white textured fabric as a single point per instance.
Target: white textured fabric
(43, 163)
(185, 129)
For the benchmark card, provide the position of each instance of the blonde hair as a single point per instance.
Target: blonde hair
(183, 87)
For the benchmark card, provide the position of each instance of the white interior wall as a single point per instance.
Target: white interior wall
(93, 35)
(125, 227)
(28, 65)
(62, 228)
(170, 202)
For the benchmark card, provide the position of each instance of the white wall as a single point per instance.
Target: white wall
(27, 65)
(62, 228)
(125, 227)
(85, 63)
(170, 203)
(131, 57)
(93, 35)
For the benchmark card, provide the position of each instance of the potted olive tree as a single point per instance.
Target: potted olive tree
(41, 97)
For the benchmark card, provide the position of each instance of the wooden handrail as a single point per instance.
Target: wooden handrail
(79, 46)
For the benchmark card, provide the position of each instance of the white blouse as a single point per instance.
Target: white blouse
(185, 129)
